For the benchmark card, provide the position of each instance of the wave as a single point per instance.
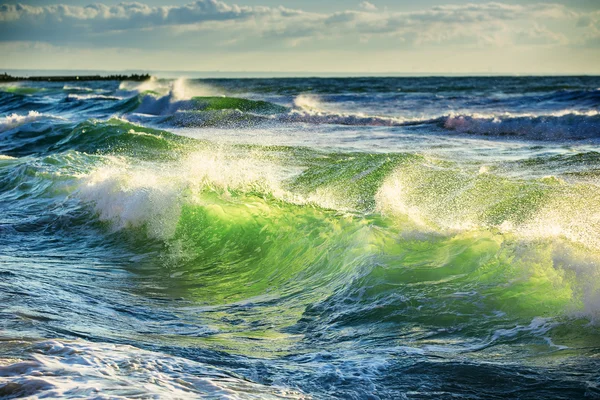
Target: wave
(294, 268)
(179, 89)
(249, 204)
(567, 124)
(225, 111)
(167, 105)
(75, 97)
(448, 196)
(15, 120)
(96, 137)
(321, 117)
(77, 88)
(21, 90)
(444, 197)
(431, 193)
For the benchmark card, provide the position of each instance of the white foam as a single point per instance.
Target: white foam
(178, 89)
(185, 89)
(307, 102)
(79, 88)
(14, 120)
(79, 369)
(315, 116)
(74, 96)
(554, 125)
(145, 195)
(172, 96)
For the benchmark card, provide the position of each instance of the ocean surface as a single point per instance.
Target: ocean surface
(357, 238)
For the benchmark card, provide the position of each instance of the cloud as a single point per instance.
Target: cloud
(365, 5)
(539, 35)
(210, 24)
(19, 22)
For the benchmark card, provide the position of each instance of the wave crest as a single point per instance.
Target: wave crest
(568, 124)
(15, 120)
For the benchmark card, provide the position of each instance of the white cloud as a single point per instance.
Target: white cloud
(540, 35)
(365, 5)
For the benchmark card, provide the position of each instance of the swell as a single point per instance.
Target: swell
(228, 112)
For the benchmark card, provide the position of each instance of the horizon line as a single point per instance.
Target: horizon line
(301, 74)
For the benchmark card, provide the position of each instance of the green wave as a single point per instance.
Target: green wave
(310, 273)
(23, 90)
(118, 137)
(336, 246)
(126, 105)
(114, 136)
(225, 118)
(235, 103)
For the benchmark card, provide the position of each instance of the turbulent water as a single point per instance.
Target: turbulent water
(359, 238)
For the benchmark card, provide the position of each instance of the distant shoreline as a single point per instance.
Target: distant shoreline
(32, 74)
(132, 77)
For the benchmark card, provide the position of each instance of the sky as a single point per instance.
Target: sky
(305, 36)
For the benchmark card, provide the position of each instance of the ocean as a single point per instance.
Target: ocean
(296, 238)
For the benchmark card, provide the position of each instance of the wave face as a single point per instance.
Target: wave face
(300, 238)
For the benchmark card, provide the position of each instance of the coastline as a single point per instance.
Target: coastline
(67, 78)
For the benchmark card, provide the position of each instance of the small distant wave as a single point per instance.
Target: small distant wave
(226, 111)
(321, 117)
(203, 111)
(77, 88)
(21, 90)
(14, 120)
(73, 96)
(309, 108)
(568, 124)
